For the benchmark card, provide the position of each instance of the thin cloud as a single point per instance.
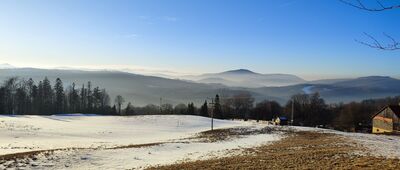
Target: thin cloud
(152, 20)
(143, 17)
(288, 3)
(131, 36)
(169, 18)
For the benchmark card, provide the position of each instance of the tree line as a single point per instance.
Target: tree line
(19, 96)
(308, 110)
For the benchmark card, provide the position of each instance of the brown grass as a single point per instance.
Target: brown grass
(138, 145)
(232, 133)
(301, 150)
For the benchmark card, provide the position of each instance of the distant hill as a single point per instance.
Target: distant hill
(359, 88)
(142, 90)
(247, 78)
(6, 66)
(139, 89)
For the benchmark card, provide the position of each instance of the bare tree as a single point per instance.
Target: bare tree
(390, 43)
(361, 5)
(119, 100)
(242, 104)
(374, 43)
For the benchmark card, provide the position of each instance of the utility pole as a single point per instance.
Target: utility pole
(212, 114)
(291, 121)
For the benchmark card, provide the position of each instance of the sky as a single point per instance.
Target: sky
(313, 39)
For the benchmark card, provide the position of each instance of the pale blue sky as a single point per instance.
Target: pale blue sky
(309, 38)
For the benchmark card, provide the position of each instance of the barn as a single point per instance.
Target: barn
(387, 120)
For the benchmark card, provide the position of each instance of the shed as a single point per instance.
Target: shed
(387, 120)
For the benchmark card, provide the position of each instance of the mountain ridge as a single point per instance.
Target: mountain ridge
(246, 78)
(142, 89)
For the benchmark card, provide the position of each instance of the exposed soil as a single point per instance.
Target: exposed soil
(230, 133)
(300, 150)
(31, 154)
(234, 133)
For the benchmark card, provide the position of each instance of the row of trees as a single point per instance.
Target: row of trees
(308, 109)
(311, 110)
(19, 96)
(235, 107)
(358, 115)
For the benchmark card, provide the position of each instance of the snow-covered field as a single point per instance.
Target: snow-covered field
(28, 133)
(105, 142)
(95, 135)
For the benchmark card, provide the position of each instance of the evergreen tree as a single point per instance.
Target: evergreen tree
(191, 109)
(129, 109)
(59, 96)
(89, 96)
(10, 88)
(73, 99)
(21, 100)
(39, 100)
(204, 110)
(2, 100)
(31, 96)
(217, 108)
(34, 97)
(25, 97)
(96, 98)
(83, 99)
(104, 99)
(48, 95)
(114, 110)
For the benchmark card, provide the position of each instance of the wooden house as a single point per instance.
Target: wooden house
(387, 120)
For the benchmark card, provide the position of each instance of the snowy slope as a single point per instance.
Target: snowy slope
(94, 140)
(28, 133)
(138, 158)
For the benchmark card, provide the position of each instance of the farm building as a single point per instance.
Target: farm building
(387, 120)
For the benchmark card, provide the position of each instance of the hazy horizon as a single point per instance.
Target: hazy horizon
(176, 74)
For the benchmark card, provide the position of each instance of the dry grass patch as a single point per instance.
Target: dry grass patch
(301, 150)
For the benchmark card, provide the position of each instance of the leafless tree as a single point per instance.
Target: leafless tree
(242, 104)
(374, 43)
(119, 100)
(390, 43)
(361, 5)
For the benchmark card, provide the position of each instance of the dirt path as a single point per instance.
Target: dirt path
(301, 150)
